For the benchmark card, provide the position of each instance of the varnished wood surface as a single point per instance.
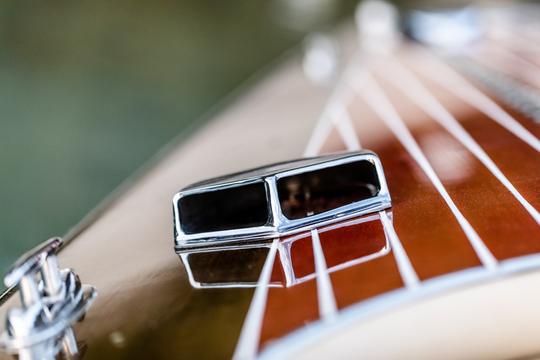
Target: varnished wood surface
(430, 234)
(144, 295)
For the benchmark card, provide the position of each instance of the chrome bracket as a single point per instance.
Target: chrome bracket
(279, 199)
(52, 300)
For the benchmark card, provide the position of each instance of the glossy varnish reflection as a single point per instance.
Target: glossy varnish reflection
(425, 225)
(288, 309)
(352, 241)
(301, 250)
(518, 160)
(501, 221)
(358, 257)
(353, 284)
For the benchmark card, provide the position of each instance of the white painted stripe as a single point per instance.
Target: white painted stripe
(325, 293)
(334, 113)
(248, 343)
(384, 109)
(495, 51)
(409, 276)
(318, 137)
(495, 62)
(450, 79)
(341, 119)
(510, 38)
(341, 96)
(407, 82)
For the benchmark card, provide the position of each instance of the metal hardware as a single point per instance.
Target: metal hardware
(52, 300)
(268, 219)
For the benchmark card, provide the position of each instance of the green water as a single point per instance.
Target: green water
(89, 90)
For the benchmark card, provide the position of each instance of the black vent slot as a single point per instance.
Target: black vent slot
(231, 208)
(321, 190)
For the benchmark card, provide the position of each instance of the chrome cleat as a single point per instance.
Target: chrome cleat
(280, 199)
(52, 300)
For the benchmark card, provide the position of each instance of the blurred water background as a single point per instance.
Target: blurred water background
(91, 89)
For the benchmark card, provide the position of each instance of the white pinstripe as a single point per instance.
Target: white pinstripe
(407, 82)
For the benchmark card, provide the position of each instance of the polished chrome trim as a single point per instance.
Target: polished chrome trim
(279, 224)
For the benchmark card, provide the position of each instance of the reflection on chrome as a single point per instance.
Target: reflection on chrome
(213, 267)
